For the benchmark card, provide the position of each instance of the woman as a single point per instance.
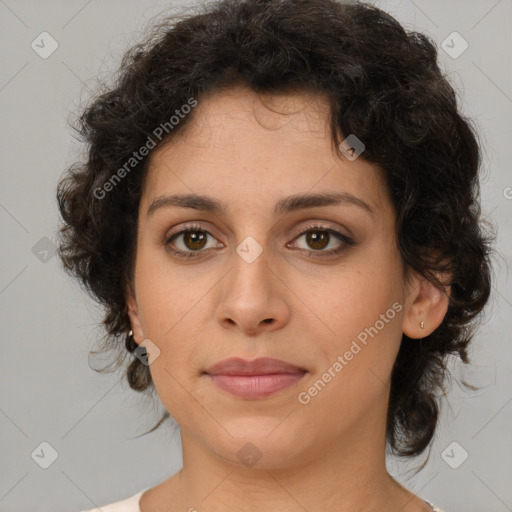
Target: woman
(280, 214)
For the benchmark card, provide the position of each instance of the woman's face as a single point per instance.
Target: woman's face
(250, 285)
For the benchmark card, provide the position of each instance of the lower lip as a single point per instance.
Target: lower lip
(256, 386)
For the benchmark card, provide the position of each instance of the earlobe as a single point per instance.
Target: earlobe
(426, 308)
(138, 333)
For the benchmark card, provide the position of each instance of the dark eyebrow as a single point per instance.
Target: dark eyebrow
(285, 205)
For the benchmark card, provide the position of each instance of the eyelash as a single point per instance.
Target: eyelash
(347, 242)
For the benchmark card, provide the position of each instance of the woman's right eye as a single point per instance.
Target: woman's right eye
(192, 239)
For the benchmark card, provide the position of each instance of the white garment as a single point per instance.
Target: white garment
(132, 505)
(127, 505)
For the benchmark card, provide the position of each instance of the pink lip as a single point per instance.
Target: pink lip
(254, 379)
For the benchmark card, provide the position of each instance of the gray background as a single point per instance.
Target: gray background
(49, 392)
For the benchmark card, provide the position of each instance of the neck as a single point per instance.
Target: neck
(348, 475)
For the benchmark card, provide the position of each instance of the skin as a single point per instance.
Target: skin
(328, 454)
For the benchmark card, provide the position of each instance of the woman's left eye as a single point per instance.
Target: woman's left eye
(319, 237)
(194, 240)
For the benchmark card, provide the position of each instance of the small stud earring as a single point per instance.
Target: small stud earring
(130, 333)
(422, 325)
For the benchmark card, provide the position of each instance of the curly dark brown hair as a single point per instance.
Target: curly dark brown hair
(383, 84)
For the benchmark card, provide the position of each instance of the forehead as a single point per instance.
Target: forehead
(225, 116)
(251, 142)
(301, 110)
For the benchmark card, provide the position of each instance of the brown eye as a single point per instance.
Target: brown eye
(189, 243)
(194, 240)
(317, 238)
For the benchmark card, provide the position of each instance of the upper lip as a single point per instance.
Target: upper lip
(261, 366)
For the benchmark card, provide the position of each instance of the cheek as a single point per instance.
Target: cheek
(357, 353)
(359, 314)
(169, 306)
(176, 370)
(168, 295)
(351, 301)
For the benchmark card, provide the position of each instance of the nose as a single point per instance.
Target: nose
(253, 298)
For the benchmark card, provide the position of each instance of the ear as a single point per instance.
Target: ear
(424, 303)
(133, 313)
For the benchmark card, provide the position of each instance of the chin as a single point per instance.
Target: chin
(258, 444)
